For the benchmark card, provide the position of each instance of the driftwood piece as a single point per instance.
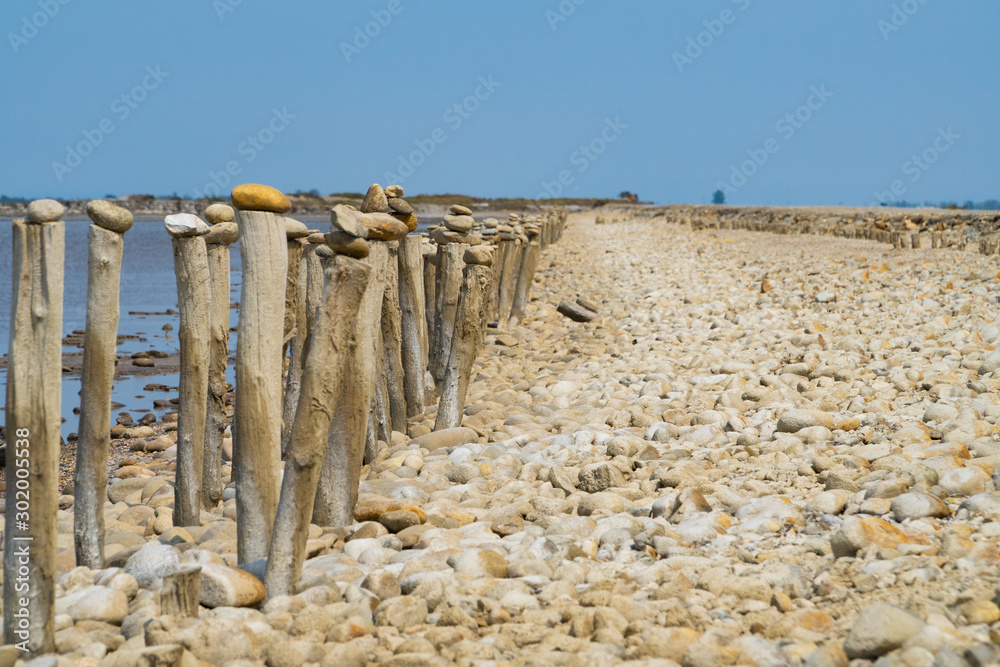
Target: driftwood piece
(257, 419)
(337, 491)
(90, 479)
(465, 345)
(328, 348)
(34, 395)
(575, 312)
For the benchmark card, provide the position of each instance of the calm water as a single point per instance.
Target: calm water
(148, 285)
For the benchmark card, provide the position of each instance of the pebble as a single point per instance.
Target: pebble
(375, 200)
(400, 206)
(224, 586)
(394, 191)
(110, 217)
(349, 220)
(383, 227)
(478, 254)
(458, 209)
(880, 628)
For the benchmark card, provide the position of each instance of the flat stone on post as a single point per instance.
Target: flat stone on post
(479, 254)
(256, 197)
(343, 243)
(182, 225)
(384, 227)
(295, 229)
(219, 213)
(223, 233)
(462, 224)
(400, 206)
(458, 209)
(110, 217)
(45, 210)
(349, 220)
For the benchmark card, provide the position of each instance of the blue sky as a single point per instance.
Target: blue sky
(782, 102)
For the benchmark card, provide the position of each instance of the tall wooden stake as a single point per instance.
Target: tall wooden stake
(100, 343)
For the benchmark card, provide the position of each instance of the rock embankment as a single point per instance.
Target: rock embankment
(764, 450)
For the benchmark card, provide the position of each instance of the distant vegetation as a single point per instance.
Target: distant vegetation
(988, 205)
(718, 197)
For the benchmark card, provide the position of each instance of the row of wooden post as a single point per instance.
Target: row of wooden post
(333, 354)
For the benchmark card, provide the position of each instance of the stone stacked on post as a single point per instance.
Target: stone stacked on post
(90, 480)
(257, 418)
(34, 395)
(194, 299)
(222, 233)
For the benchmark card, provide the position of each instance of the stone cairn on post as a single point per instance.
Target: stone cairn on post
(100, 343)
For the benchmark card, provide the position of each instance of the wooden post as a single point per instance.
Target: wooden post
(449, 284)
(221, 235)
(34, 395)
(328, 349)
(429, 254)
(180, 592)
(380, 406)
(392, 342)
(467, 339)
(526, 273)
(508, 276)
(100, 343)
(194, 301)
(257, 419)
(413, 323)
(337, 491)
(295, 325)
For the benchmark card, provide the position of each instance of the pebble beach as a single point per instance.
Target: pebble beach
(763, 450)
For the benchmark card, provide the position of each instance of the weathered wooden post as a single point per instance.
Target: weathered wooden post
(100, 343)
(337, 491)
(221, 235)
(468, 336)
(428, 251)
(508, 272)
(413, 323)
(34, 395)
(257, 418)
(329, 346)
(194, 301)
(295, 327)
(526, 273)
(392, 341)
(452, 244)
